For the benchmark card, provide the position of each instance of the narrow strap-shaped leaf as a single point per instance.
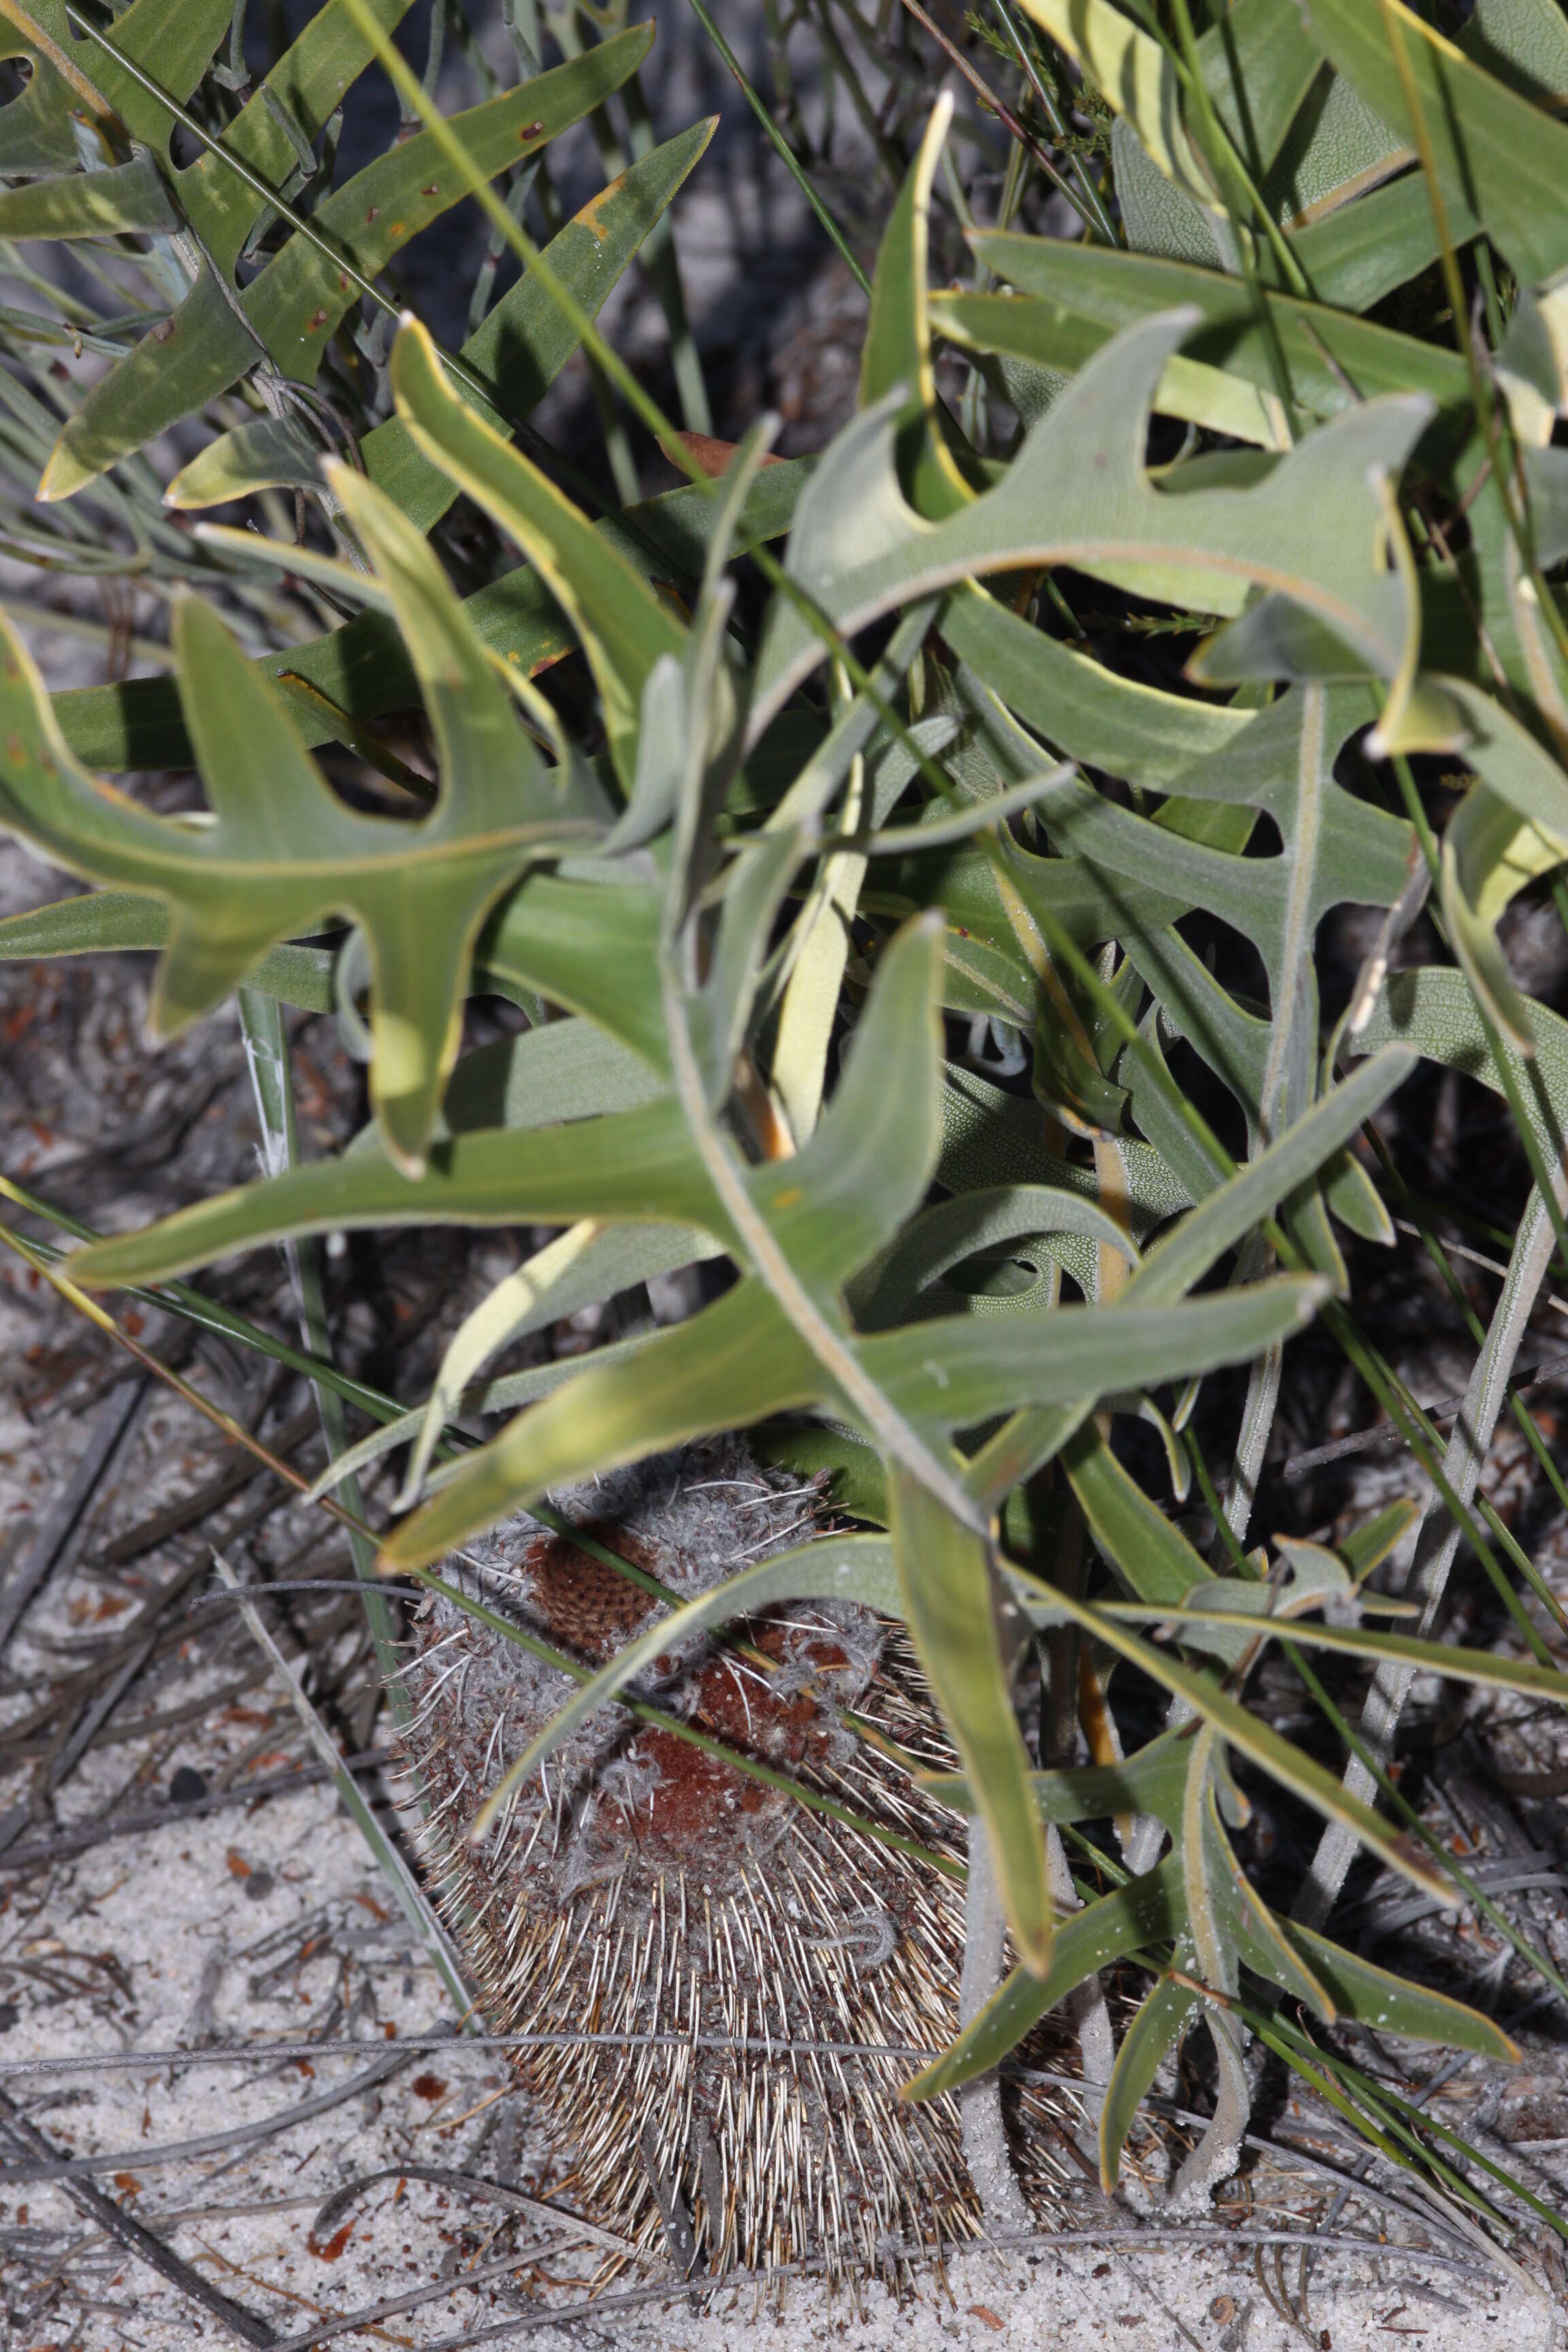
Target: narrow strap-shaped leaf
(1150, 1556)
(754, 890)
(478, 741)
(622, 623)
(1186, 1255)
(1392, 2004)
(1151, 1781)
(1158, 2025)
(897, 350)
(270, 453)
(1081, 295)
(956, 1610)
(1258, 61)
(1245, 1925)
(958, 1371)
(1252, 1738)
(1136, 75)
(1147, 1910)
(1370, 1545)
(1364, 250)
(1483, 1668)
(583, 1266)
(866, 1167)
(737, 1361)
(634, 1164)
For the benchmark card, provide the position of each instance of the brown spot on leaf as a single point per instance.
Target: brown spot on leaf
(599, 229)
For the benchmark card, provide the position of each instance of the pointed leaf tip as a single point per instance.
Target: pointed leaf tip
(63, 475)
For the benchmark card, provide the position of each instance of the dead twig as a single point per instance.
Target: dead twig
(144, 2159)
(248, 2325)
(1388, 1434)
(166, 1816)
(114, 1426)
(469, 2185)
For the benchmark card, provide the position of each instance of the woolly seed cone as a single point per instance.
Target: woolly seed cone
(641, 1888)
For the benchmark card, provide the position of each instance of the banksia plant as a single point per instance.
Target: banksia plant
(725, 1970)
(843, 1663)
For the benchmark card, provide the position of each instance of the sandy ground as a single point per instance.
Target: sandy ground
(258, 1924)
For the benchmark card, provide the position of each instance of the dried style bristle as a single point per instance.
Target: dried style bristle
(641, 1888)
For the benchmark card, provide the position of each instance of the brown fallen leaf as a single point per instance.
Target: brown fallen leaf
(334, 2245)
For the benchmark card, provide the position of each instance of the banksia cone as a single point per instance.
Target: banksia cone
(738, 1958)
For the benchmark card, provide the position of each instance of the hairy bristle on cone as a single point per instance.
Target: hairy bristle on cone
(641, 1888)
